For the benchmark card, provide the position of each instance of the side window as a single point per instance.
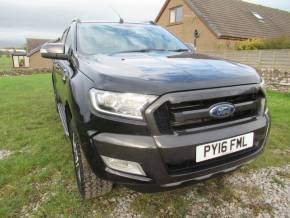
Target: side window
(68, 41)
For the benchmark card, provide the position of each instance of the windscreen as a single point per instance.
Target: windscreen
(110, 38)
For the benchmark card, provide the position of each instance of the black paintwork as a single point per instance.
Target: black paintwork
(135, 72)
(156, 74)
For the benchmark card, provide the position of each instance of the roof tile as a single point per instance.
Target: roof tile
(234, 18)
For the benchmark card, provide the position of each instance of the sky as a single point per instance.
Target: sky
(48, 18)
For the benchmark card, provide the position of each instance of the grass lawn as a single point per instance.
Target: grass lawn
(5, 63)
(38, 178)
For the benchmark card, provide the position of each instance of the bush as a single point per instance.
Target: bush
(254, 44)
(21, 63)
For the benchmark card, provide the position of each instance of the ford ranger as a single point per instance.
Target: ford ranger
(143, 109)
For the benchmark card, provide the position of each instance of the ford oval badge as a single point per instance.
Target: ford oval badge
(222, 110)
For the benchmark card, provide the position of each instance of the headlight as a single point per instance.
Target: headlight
(264, 101)
(121, 104)
(263, 86)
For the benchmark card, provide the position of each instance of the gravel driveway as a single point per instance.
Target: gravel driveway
(4, 154)
(256, 193)
(261, 193)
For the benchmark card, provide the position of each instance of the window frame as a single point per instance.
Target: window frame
(66, 40)
(174, 9)
(258, 16)
(63, 37)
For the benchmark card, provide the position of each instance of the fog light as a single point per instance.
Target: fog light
(124, 166)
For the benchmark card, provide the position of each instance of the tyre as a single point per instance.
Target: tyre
(89, 185)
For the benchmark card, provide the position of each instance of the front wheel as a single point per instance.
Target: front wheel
(89, 185)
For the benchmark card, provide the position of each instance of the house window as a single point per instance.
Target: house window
(176, 14)
(258, 16)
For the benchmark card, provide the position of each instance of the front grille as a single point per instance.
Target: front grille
(186, 116)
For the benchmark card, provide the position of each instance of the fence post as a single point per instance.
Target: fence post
(259, 59)
(274, 59)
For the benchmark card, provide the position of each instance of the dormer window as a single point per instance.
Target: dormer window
(176, 14)
(258, 16)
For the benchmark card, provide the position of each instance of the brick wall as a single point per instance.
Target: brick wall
(191, 22)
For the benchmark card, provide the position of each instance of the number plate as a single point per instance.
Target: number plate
(224, 147)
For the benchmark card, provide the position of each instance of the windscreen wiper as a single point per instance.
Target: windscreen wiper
(151, 49)
(140, 50)
(179, 50)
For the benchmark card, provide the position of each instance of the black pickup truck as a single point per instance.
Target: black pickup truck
(142, 109)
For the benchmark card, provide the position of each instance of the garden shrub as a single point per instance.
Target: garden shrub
(254, 44)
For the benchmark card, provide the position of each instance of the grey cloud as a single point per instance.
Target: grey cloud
(20, 19)
(47, 19)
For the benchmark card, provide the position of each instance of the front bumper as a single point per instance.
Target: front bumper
(169, 160)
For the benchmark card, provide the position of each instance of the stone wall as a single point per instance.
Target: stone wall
(276, 80)
(24, 71)
(274, 65)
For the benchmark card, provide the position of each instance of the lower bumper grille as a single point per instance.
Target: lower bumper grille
(191, 165)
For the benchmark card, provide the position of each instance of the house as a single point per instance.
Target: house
(33, 52)
(219, 24)
(7, 51)
(19, 59)
(3, 51)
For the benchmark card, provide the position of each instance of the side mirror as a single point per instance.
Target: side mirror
(191, 47)
(53, 51)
